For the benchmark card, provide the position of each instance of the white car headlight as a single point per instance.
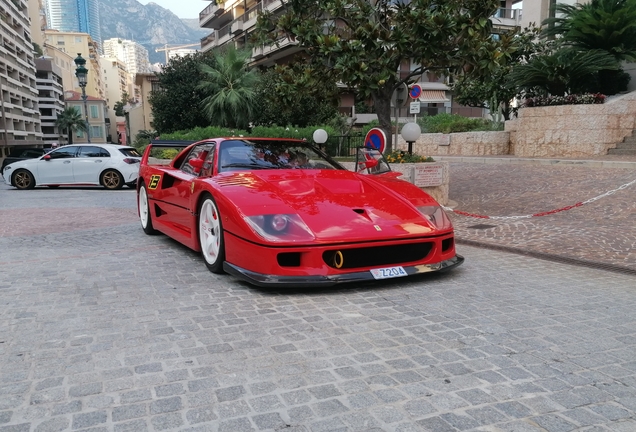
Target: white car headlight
(280, 227)
(437, 216)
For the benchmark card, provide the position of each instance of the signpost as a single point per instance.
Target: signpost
(428, 174)
(415, 91)
(414, 108)
(375, 139)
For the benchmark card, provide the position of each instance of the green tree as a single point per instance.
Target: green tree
(291, 95)
(177, 105)
(488, 87)
(229, 86)
(119, 109)
(567, 70)
(363, 43)
(606, 25)
(71, 120)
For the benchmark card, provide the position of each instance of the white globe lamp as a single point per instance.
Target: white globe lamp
(320, 137)
(411, 132)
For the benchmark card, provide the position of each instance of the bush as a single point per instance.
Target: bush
(573, 99)
(169, 153)
(401, 156)
(449, 123)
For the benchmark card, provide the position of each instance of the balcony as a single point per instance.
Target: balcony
(507, 17)
(224, 35)
(208, 42)
(236, 27)
(210, 13)
(250, 16)
(272, 5)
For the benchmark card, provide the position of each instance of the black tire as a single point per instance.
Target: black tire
(111, 180)
(23, 179)
(145, 214)
(210, 233)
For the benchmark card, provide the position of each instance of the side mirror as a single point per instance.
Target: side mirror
(196, 164)
(46, 157)
(370, 163)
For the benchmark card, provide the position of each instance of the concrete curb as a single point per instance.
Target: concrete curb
(549, 257)
(533, 161)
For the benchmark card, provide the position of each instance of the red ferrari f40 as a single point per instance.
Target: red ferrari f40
(280, 212)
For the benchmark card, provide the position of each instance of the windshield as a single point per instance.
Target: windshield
(271, 154)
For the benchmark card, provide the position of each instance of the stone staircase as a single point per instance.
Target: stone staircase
(627, 147)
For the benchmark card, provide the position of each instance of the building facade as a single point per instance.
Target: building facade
(117, 82)
(73, 43)
(79, 16)
(139, 116)
(50, 99)
(131, 53)
(20, 118)
(95, 111)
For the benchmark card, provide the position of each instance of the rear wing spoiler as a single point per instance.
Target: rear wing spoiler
(164, 144)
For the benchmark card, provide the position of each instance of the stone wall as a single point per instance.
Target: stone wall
(439, 193)
(572, 130)
(460, 144)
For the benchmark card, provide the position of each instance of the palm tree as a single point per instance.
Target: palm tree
(71, 120)
(565, 71)
(608, 25)
(230, 88)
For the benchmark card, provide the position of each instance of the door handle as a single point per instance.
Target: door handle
(67, 161)
(98, 161)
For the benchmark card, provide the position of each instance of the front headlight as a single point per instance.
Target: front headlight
(437, 216)
(280, 227)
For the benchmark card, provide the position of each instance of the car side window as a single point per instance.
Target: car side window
(208, 164)
(32, 153)
(197, 152)
(92, 152)
(63, 153)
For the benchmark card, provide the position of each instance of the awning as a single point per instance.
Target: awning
(433, 96)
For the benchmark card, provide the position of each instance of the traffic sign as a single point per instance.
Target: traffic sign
(399, 98)
(415, 91)
(414, 108)
(375, 139)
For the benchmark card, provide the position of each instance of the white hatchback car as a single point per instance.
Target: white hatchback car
(109, 165)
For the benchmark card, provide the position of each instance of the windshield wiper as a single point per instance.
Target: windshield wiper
(245, 165)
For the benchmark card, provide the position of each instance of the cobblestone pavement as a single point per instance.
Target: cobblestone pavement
(602, 232)
(103, 328)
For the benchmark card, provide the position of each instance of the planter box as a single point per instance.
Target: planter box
(432, 177)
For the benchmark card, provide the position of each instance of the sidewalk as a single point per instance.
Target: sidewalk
(600, 234)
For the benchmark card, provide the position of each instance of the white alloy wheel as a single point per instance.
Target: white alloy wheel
(211, 236)
(144, 211)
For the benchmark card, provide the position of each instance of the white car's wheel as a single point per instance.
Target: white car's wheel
(23, 179)
(211, 235)
(144, 211)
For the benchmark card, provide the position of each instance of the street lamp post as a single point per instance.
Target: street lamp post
(411, 132)
(81, 73)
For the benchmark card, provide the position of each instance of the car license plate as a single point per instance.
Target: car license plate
(388, 272)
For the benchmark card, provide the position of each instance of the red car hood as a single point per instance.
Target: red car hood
(336, 205)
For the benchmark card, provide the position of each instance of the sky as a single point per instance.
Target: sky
(181, 8)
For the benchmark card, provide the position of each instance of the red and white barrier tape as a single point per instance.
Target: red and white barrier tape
(545, 213)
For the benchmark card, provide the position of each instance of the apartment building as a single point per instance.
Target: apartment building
(117, 81)
(232, 21)
(131, 53)
(20, 118)
(37, 15)
(140, 114)
(77, 16)
(73, 43)
(95, 112)
(50, 98)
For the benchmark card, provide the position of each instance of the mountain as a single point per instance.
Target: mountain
(150, 25)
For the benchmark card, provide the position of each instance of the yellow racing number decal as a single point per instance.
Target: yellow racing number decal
(154, 181)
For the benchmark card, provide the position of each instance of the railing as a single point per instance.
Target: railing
(224, 31)
(252, 12)
(343, 146)
(207, 11)
(514, 14)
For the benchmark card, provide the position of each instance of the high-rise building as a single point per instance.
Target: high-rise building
(50, 98)
(19, 115)
(80, 16)
(133, 54)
